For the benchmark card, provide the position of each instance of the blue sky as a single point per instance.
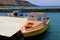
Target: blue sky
(45, 2)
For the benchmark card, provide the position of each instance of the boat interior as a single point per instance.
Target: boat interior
(32, 24)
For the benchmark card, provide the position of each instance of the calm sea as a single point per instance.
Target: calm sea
(53, 32)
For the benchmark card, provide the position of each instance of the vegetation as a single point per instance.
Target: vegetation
(15, 3)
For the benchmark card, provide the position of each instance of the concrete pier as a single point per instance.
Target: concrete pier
(10, 25)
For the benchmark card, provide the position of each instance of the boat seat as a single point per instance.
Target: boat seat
(29, 25)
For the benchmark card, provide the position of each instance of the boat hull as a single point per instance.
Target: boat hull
(39, 31)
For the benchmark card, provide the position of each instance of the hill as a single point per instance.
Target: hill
(15, 2)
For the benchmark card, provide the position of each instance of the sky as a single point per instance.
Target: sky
(45, 2)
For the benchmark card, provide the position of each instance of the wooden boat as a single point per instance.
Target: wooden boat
(34, 26)
(35, 29)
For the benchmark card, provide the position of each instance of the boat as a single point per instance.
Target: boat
(35, 25)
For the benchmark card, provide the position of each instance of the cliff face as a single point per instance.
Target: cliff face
(15, 2)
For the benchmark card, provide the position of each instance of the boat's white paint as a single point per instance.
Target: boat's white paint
(10, 25)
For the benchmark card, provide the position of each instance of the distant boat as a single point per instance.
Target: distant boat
(34, 26)
(15, 14)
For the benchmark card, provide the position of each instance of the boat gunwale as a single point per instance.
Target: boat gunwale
(31, 31)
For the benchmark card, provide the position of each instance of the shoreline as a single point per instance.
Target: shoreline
(30, 10)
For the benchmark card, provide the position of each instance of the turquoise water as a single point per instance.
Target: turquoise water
(29, 7)
(53, 32)
(54, 28)
(2, 14)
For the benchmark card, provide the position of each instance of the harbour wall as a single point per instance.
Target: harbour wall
(30, 10)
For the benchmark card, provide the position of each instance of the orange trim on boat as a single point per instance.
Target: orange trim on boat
(35, 24)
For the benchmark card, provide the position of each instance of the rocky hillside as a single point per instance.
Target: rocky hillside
(15, 2)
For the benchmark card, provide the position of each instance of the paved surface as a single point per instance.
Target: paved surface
(10, 25)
